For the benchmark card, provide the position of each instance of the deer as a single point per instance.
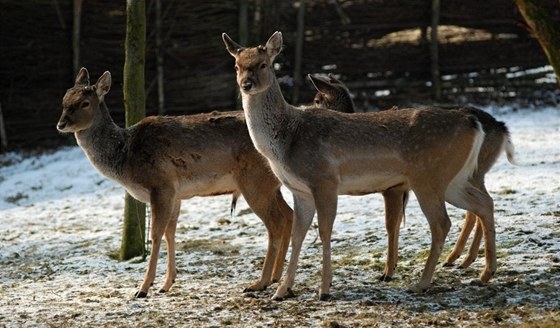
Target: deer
(162, 160)
(333, 94)
(321, 154)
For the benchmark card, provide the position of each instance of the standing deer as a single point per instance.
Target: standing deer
(333, 94)
(321, 154)
(162, 160)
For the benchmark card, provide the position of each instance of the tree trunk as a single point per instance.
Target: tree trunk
(159, 60)
(434, 51)
(299, 51)
(134, 229)
(76, 36)
(545, 29)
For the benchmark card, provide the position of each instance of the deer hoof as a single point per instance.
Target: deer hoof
(289, 294)
(162, 291)
(486, 275)
(385, 278)
(325, 297)
(416, 289)
(252, 290)
(277, 298)
(141, 294)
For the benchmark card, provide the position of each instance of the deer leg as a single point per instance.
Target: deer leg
(394, 211)
(326, 203)
(433, 208)
(171, 273)
(287, 217)
(478, 201)
(304, 209)
(276, 215)
(162, 208)
(470, 220)
(484, 209)
(475, 245)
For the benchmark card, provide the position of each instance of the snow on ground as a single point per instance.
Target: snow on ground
(60, 221)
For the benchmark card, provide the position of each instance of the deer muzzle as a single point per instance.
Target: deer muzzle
(61, 125)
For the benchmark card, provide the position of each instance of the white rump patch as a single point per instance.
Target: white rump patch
(460, 183)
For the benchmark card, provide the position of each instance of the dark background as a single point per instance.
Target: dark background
(380, 48)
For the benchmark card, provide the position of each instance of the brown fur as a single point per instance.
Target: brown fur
(162, 160)
(497, 139)
(320, 154)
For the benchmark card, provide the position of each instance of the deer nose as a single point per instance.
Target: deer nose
(247, 85)
(61, 125)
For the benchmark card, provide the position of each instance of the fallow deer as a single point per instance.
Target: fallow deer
(162, 160)
(333, 94)
(321, 154)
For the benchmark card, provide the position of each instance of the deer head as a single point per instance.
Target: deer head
(332, 94)
(254, 65)
(80, 104)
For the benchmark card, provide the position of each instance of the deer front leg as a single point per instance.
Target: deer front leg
(161, 213)
(326, 203)
(394, 211)
(304, 209)
(171, 273)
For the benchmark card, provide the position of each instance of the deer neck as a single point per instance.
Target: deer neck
(104, 143)
(269, 120)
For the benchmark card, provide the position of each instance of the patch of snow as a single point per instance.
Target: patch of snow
(60, 219)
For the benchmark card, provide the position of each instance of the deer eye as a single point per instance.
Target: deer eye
(236, 68)
(263, 65)
(317, 101)
(84, 104)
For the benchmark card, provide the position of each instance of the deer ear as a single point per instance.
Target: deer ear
(334, 80)
(103, 85)
(320, 84)
(274, 45)
(232, 47)
(82, 78)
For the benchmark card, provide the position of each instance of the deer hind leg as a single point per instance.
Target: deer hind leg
(162, 208)
(286, 216)
(304, 209)
(394, 211)
(470, 220)
(434, 209)
(171, 272)
(481, 204)
(277, 218)
(475, 245)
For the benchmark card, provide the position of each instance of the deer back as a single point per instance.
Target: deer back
(197, 154)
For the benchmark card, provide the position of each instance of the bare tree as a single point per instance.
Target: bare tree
(544, 28)
(134, 229)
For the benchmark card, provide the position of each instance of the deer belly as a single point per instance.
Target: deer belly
(291, 181)
(208, 186)
(139, 193)
(367, 184)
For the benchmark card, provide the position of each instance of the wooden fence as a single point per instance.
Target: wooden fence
(380, 48)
